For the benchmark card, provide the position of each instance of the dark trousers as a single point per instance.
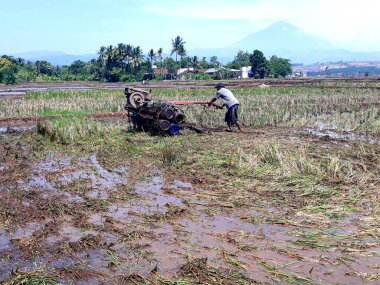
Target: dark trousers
(232, 116)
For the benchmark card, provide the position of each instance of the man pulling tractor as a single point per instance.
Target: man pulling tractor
(163, 117)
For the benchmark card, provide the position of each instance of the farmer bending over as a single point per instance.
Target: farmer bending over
(231, 103)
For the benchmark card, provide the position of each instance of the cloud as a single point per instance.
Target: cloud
(340, 21)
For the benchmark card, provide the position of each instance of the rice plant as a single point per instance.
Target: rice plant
(67, 130)
(350, 109)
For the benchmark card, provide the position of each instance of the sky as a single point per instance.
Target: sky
(83, 26)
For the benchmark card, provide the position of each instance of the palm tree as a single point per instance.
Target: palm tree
(151, 55)
(128, 57)
(101, 53)
(181, 52)
(203, 62)
(111, 56)
(195, 62)
(177, 42)
(121, 54)
(124, 53)
(137, 57)
(159, 54)
(20, 61)
(121, 49)
(44, 67)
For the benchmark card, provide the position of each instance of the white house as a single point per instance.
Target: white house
(244, 71)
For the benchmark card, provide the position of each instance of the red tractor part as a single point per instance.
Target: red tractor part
(179, 102)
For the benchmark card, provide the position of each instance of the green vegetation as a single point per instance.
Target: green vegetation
(127, 63)
(178, 47)
(276, 67)
(18, 71)
(77, 129)
(38, 277)
(241, 59)
(66, 102)
(279, 67)
(260, 68)
(352, 109)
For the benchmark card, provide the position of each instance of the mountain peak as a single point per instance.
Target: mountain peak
(281, 36)
(281, 29)
(282, 25)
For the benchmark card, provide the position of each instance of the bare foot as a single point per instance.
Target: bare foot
(239, 127)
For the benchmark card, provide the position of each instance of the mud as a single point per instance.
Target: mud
(7, 130)
(77, 217)
(335, 135)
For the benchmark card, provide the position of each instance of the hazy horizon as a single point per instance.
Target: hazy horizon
(81, 27)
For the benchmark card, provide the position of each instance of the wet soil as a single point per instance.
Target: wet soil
(91, 222)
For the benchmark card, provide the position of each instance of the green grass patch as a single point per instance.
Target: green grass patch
(292, 278)
(70, 94)
(51, 112)
(77, 130)
(38, 277)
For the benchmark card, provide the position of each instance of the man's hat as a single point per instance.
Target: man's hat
(221, 85)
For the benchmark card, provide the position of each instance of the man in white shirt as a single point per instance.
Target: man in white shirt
(231, 103)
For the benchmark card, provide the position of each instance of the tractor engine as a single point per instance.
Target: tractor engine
(160, 117)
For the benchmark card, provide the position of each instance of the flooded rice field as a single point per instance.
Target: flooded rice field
(294, 199)
(87, 218)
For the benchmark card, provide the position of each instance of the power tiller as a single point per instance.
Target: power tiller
(161, 117)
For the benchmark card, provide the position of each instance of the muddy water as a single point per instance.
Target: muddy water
(56, 172)
(5, 241)
(8, 252)
(331, 134)
(68, 233)
(5, 130)
(154, 195)
(159, 223)
(152, 200)
(217, 236)
(329, 131)
(182, 184)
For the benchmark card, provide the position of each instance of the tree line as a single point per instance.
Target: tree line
(128, 63)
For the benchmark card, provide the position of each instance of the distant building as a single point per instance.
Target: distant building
(245, 70)
(211, 71)
(160, 71)
(183, 71)
(223, 72)
(298, 74)
(156, 71)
